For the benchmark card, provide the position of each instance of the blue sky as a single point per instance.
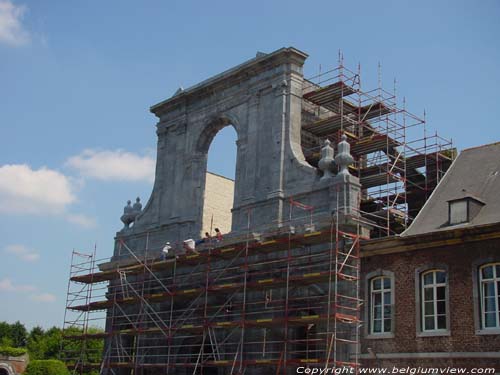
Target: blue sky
(77, 79)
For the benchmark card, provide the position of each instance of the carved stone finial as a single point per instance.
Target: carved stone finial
(137, 206)
(326, 163)
(128, 208)
(128, 216)
(344, 157)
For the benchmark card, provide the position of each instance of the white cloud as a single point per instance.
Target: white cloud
(12, 31)
(111, 165)
(43, 297)
(42, 191)
(22, 252)
(81, 220)
(6, 285)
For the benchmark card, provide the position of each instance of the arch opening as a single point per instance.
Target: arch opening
(220, 177)
(4, 371)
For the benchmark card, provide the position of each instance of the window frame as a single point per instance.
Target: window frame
(496, 281)
(368, 328)
(476, 292)
(450, 210)
(434, 285)
(382, 292)
(419, 301)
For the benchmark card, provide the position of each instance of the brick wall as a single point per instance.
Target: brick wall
(16, 364)
(462, 337)
(219, 194)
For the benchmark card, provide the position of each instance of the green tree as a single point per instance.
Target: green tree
(46, 367)
(37, 346)
(6, 341)
(53, 337)
(18, 334)
(93, 347)
(4, 330)
(14, 335)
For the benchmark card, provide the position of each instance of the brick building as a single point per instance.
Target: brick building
(432, 295)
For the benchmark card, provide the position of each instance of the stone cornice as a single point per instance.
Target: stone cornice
(233, 76)
(439, 239)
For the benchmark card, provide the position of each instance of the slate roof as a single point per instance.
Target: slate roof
(475, 173)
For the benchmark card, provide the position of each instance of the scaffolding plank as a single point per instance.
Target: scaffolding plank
(329, 93)
(302, 278)
(325, 126)
(220, 252)
(373, 143)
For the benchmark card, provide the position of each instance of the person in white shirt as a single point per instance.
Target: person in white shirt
(166, 250)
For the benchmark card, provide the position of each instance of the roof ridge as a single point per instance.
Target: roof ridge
(480, 146)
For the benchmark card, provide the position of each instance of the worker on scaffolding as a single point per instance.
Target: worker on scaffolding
(218, 235)
(189, 246)
(165, 251)
(205, 240)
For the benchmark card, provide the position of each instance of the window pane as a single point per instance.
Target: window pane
(387, 311)
(489, 304)
(497, 270)
(440, 277)
(489, 320)
(377, 312)
(428, 278)
(441, 293)
(489, 289)
(487, 272)
(428, 294)
(387, 325)
(377, 300)
(376, 284)
(458, 212)
(441, 307)
(387, 298)
(429, 323)
(377, 326)
(429, 308)
(387, 283)
(441, 322)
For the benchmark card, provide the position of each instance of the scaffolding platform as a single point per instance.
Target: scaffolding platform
(284, 300)
(394, 154)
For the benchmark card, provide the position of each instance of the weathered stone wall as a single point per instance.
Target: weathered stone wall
(219, 196)
(262, 100)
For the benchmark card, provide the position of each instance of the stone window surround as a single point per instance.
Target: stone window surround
(476, 296)
(367, 281)
(418, 300)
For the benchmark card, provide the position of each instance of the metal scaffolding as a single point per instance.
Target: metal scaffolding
(399, 164)
(285, 299)
(271, 299)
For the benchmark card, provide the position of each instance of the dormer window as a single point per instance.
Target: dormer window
(458, 212)
(463, 210)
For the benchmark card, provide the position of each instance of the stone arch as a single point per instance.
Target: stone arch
(212, 127)
(6, 369)
(262, 100)
(220, 204)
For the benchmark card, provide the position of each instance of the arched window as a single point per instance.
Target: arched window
(380, 305)
(489, 284)
(433, 284)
